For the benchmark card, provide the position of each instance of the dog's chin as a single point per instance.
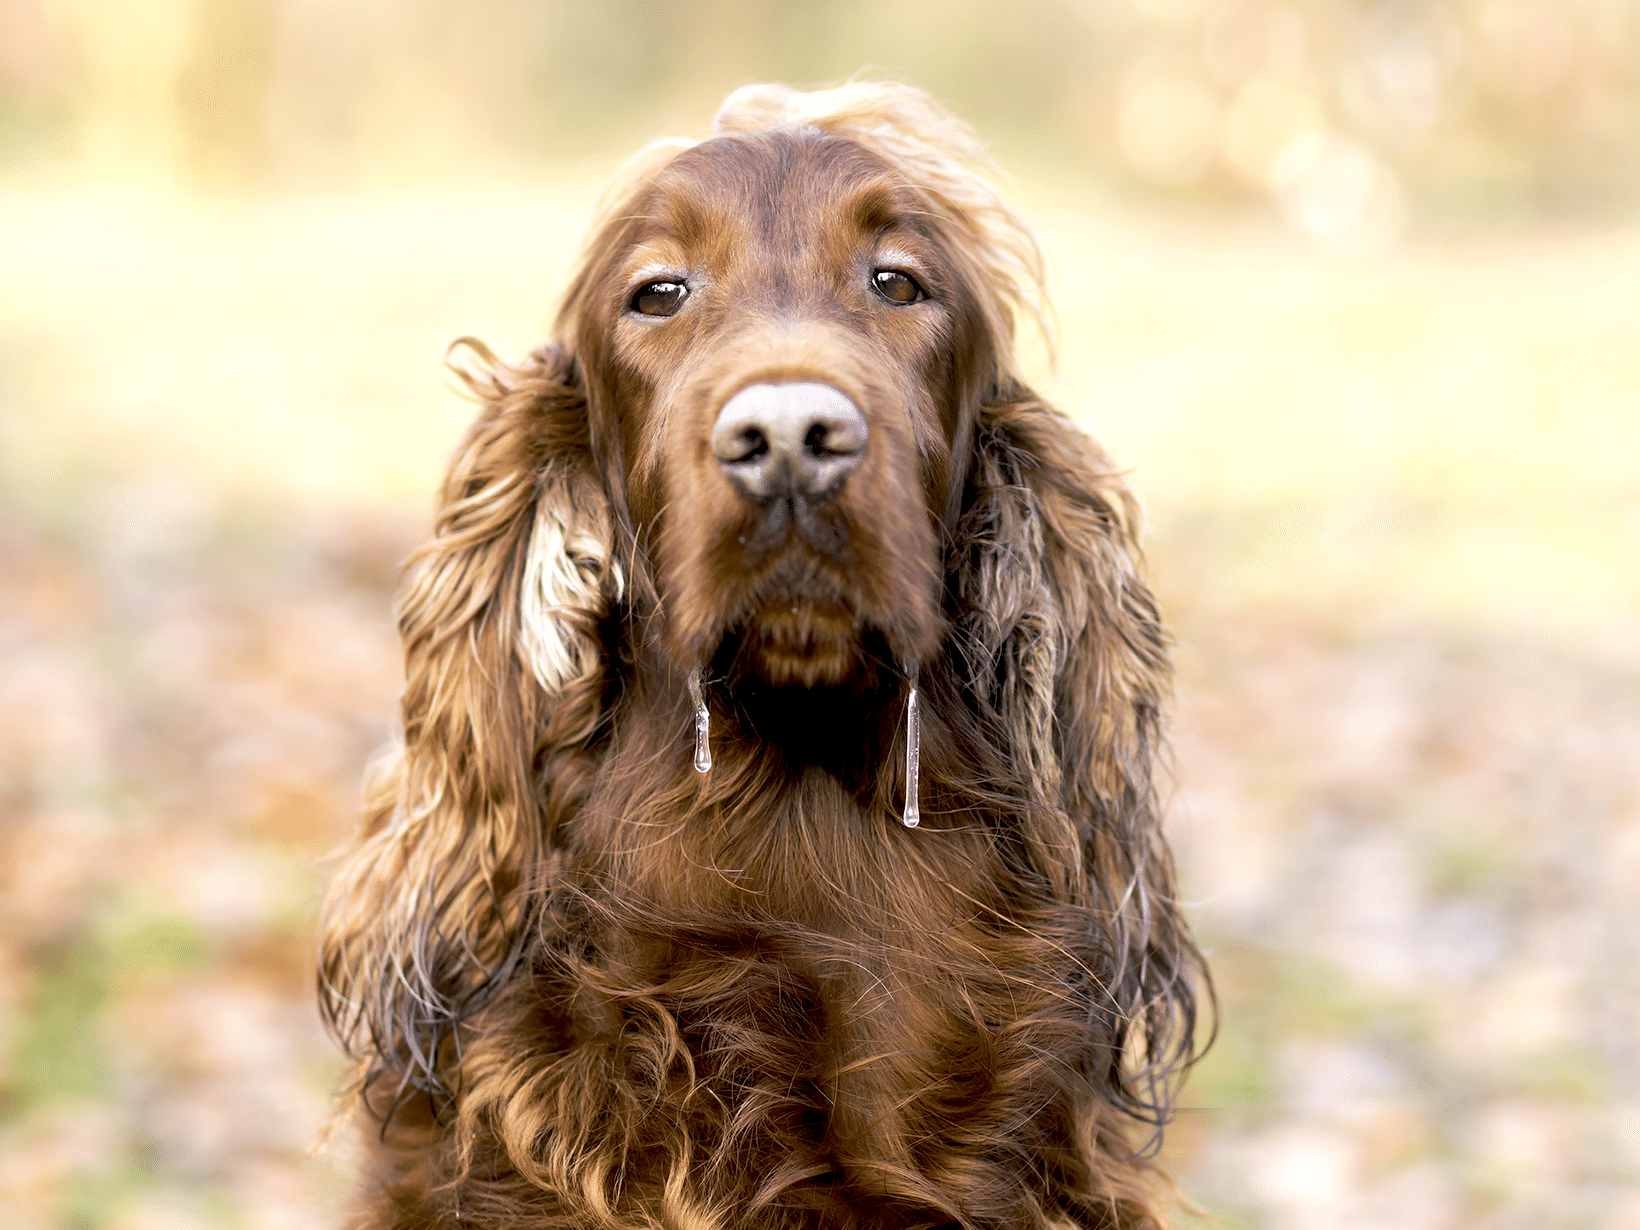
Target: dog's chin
(804, 644)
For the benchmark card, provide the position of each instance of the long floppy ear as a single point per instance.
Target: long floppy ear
(504, 678)
(1068, 661)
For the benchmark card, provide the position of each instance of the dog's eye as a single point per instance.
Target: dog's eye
(659, 298)
(897, 287)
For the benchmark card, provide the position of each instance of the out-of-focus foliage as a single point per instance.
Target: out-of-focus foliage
(1394, 505)
(1347, 116)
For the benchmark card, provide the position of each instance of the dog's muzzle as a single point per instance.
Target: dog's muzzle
(777, 441)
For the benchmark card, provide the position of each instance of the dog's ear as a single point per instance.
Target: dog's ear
(1068, 663)
(504, 675)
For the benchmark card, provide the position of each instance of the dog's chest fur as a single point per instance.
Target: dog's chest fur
(801, 989)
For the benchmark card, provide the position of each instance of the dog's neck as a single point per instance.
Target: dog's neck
(798, 818)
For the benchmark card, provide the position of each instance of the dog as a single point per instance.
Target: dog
(773, 840)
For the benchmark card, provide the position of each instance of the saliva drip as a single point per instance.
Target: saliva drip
(911, 817)
(913, 757)
(703, 724)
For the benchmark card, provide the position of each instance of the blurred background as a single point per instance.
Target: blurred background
(1353, 289)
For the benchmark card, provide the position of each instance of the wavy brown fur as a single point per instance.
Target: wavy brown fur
(586, 986)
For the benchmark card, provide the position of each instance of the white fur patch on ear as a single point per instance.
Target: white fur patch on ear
(568, 570)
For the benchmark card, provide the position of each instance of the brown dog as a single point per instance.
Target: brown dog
(769, 553)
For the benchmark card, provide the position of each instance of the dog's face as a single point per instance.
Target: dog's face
(789, 344)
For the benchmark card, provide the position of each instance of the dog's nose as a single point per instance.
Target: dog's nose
(777, 440)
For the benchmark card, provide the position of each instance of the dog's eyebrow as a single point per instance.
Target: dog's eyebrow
(686, 219)
(875, 208)
(669, 214)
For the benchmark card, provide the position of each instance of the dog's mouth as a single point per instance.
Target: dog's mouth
(796, 594)
(799, 625)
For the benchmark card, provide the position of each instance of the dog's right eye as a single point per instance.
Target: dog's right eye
(659, 298)
(897, 287)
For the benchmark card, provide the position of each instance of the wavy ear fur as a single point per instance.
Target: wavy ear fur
(1068, 663)
(503, 706)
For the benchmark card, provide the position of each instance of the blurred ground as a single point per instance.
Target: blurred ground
(1353, 287)
(1395, 521)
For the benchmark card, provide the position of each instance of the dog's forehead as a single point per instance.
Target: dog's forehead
(778, 186)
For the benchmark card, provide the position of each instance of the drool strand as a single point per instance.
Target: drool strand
(913, 755)
(703, 724)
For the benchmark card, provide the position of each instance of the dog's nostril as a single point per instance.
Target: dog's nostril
(746, 445)
(788, 439)
(832, 439)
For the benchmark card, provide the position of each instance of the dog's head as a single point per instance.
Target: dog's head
(785, 334)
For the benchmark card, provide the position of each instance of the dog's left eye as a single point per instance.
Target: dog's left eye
(897, 287)
(659, 298)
